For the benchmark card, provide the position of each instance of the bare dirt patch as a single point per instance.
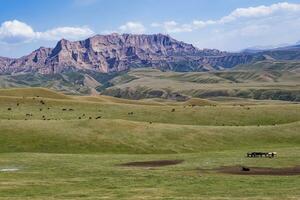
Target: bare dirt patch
(154, 163)
(240, 170)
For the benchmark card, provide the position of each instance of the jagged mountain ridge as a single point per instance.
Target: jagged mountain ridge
(115, 53)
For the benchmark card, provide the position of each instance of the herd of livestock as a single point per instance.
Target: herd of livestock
(261, 154)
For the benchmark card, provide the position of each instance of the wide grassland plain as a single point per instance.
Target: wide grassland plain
(55, 146)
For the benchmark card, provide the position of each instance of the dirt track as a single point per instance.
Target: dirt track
(260, 170)
(154, 163)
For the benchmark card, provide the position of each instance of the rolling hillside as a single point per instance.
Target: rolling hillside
(87, 144)
(155, 66)
(277, 80)
(45, 122)
(261, 84)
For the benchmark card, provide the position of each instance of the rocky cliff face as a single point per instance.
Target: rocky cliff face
(112, 53)
(4, 62)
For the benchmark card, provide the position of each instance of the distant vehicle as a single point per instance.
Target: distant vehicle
(261, 154)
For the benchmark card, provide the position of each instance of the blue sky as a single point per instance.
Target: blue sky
(224, 24)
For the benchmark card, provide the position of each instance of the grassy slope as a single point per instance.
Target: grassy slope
(120, 136)
(29, 92)
(73, 176)
(53, 127)
(186, 115)
(194, 134)
(262, 84)
(277, 80)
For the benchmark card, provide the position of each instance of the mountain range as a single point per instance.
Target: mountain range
(115, 53)
(120, 52)
(133, 66)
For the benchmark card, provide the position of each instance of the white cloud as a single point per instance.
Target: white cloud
(201, 24)
(260, 11)
(263, 32)
(173, 27)
(17, 32)
(129, 27)
(283, 8)
(263, 25)
(106, 32)
(71, 33)
(132, 27)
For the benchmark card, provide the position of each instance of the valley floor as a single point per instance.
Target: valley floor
(55, 146)
(100, 176)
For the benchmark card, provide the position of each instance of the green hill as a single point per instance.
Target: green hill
(72, 147)
(32, 92)
(262, 80)
(59, 123)
(249, 84)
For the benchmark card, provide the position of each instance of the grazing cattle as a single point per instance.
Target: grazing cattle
(18, 104)
(99, 117)
(71, 109)
(261, 154)
(173, 110)
(8, 108)
(41, 109)
(90, 117)
(272, 154)
(64, 109)
(130, 113)
(42, 102)
(245, 169)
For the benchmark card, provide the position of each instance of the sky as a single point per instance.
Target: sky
(230, 25)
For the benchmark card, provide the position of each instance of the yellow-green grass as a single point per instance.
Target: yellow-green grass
(122, 136)
(276, 85)
(67, 155)
(212, 80)
(82, 124)
(99, 176)
(16, 108)
(109, 99)
(32, 92)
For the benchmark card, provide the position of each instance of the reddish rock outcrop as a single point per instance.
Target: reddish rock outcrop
(115, 52)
